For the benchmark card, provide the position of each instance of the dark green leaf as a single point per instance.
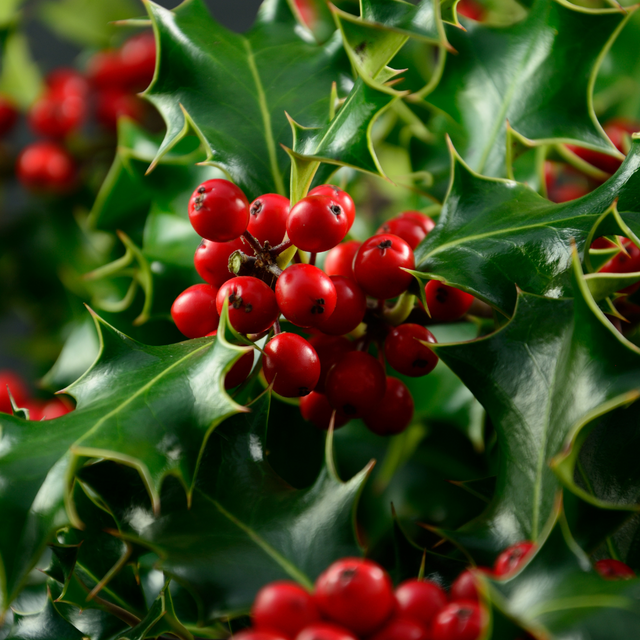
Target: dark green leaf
(536, 75)
(553, 368)
(45, 625)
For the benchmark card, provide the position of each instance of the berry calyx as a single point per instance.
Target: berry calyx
(211, 260)
(458, 621)
(305, 295)
(446, 303)
(339, 261)
(268, 218)
(46, 167)
(219, 211)
(513, 557)
(291, 364)
(378, 266)
(420, 600)
(194, 311)
(342, 198)
(252, 304)
(284, 606)
(614, 569)
(355, 593)
(316, 408)
(317, 223)
(356, 384)
(393, 414)
(351, 305)
(405, 352)
(411, 226)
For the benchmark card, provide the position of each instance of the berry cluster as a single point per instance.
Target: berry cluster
(355, 598)
(11, 382)
(107, 89)
(336, 377)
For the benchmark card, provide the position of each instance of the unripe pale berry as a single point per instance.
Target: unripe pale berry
(219, 211)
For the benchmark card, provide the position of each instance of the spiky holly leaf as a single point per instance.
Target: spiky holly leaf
(558, 594)
(495, 234)
(233, 90)
(150, 407)
(47, 624)
(245, 526)
(553, 368)
(536, 75)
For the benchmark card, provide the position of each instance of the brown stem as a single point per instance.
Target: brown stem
(312, 258)
(253, 242)
(276, 326)
(279, 248)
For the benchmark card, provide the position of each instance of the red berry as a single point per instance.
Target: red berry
(35, 409)
(194, 311)
(46, 167)
(420, 600)
(402, 629)
(614, 570)
(252, 304)
(268, 218)
(624, 262)
(285, 607)
(259, 634)
(405, 352)
(316, 408)
(355, 384)
(340, 196)
(317, 223)
(240, 371)
(56, 115)
(567, 192)
(66, 82)
(355, 593)
(411, 226)
(219, 211)
(305, 295)
(292, 364)
(465, 586)
(351, 305)
(458, 621)
(339, 261)
(105, 69)
(17, 386)
(330, 350)
(471, 9)
(324, 631)
(55, 408)
(512, 558)
(113, 102)
(138, 60)
(8, 114)
(393, 414)
(211, 260)
(378, 266)
(446, 303)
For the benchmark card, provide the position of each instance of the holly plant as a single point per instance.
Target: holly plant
(343, 318)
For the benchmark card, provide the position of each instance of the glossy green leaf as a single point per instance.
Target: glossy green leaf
(245, 526)
(495, 234)
(536, 75)
(86, 22)
(174, 395)
(553, 368)
(48, 624)
(233, 90)
(558, 593)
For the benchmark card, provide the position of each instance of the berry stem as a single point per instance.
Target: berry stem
(312, 258)
(279, 248)
(253, 242)
(401, 309)
(276, 327)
